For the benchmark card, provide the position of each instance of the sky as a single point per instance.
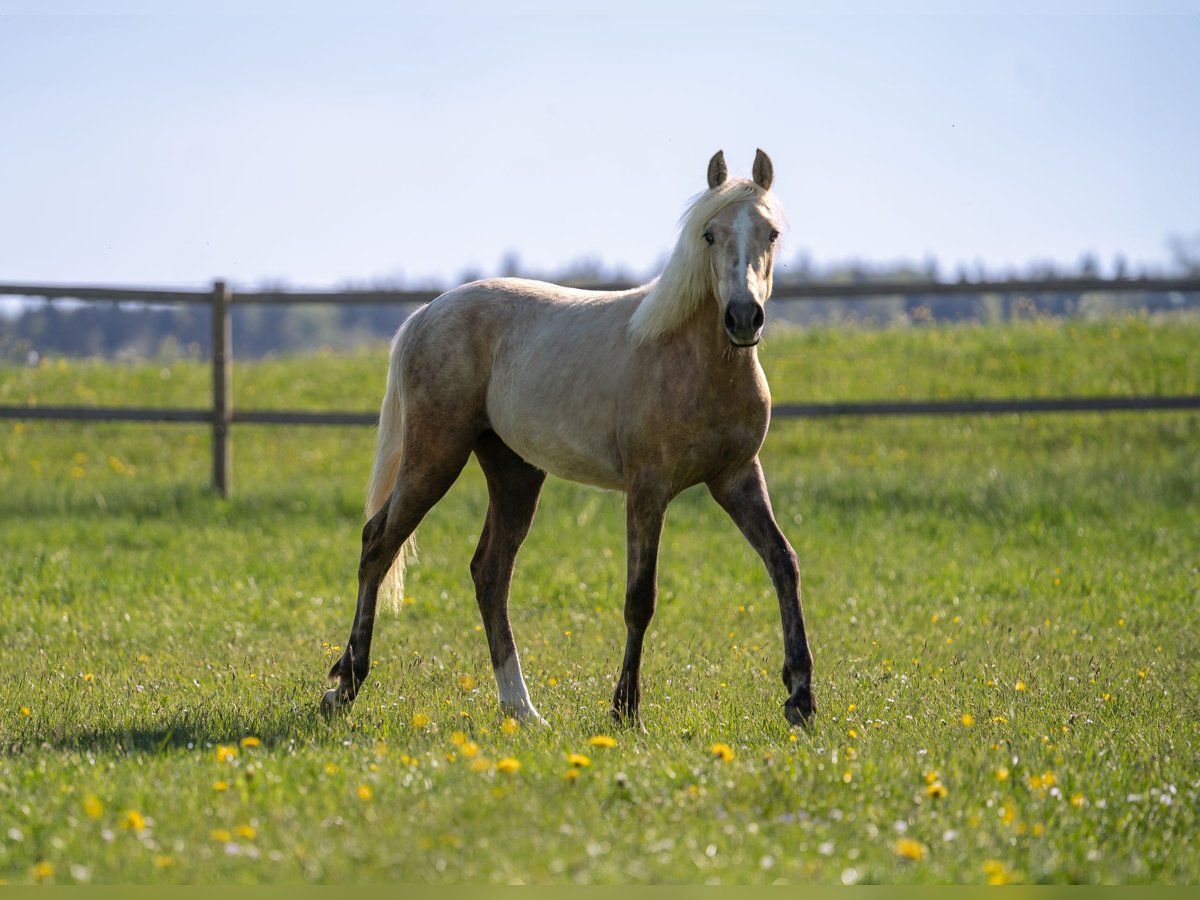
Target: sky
(294, 146)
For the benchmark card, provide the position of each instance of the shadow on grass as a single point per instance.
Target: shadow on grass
(187, 732)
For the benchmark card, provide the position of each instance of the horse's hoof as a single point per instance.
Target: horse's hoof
(627, 719)
(799, 714)
(332, 703)
(527, 716)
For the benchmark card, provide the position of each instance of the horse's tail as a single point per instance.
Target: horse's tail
(388, 448)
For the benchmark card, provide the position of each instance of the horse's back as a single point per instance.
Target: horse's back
(540, 364)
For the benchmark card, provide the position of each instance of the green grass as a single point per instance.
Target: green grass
(1034, 574)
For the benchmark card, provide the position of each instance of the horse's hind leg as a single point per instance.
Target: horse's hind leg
(513, 488)
(427, 470)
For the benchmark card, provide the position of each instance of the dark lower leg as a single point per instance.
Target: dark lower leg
(644, 521)
(513, 489)
(744, 497)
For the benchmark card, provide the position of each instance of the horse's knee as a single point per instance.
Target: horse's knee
(479, 565)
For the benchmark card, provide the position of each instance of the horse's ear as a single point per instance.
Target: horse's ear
(764, 172)
(717, 173)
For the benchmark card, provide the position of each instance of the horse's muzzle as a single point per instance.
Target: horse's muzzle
(744, 322)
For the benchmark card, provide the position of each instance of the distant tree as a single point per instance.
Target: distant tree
(1185, 253)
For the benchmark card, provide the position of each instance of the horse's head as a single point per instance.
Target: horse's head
(741, 250)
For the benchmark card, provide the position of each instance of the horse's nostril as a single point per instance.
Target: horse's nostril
(730, 321)
(759, 317)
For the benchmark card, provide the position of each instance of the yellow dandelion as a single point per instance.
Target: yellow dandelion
(847, 776)
(578, 760)
(937, 790)
(470, 749)
(221, 834)
(1035, 782)
(510, 725)
(571, 774)
(467, 683)
(1002, 773)
(967, 720)
(931, 776)
(133, 820)
(246, 831)
(163, 861)
(93, 808)
(509, 764)
(250, 741)
(852, 707)
(458, 738)
(363, 792)
(26, 711)
(226, 752)
(852, 734)
(331, 768)
(43, 871)
(602, 740)
(420, 720)
(89, 677)
(1000, 720)
(220, 786)
(722, 752)
(1049, 779)
(480, 764)
(552, 681)
(1020, 686)
(996, 872)
(910, 849)
(1077, 800)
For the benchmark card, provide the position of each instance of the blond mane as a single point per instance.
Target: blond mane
(684, 283)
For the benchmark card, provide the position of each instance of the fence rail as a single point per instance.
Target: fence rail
(221, 415)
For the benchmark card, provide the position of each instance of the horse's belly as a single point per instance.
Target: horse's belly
(569, 460)
(574, 459)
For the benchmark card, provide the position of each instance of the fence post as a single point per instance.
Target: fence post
(222, 361)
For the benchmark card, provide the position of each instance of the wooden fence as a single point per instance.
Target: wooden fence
(221, 415)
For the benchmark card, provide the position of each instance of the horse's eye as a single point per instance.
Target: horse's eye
(708, 237)
(774, 235)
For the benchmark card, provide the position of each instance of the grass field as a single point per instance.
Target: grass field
(1003, 613)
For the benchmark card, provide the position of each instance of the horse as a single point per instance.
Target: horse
(645, 391)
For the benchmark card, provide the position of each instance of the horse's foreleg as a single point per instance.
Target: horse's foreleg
(644, 522)
(513, 488)
(744, 496)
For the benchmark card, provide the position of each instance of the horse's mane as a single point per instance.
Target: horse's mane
(684, 283)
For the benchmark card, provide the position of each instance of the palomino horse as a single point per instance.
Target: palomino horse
(647, 391)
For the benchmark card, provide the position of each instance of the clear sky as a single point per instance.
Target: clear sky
(318, 149)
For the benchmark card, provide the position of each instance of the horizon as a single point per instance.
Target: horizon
(323, 151)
